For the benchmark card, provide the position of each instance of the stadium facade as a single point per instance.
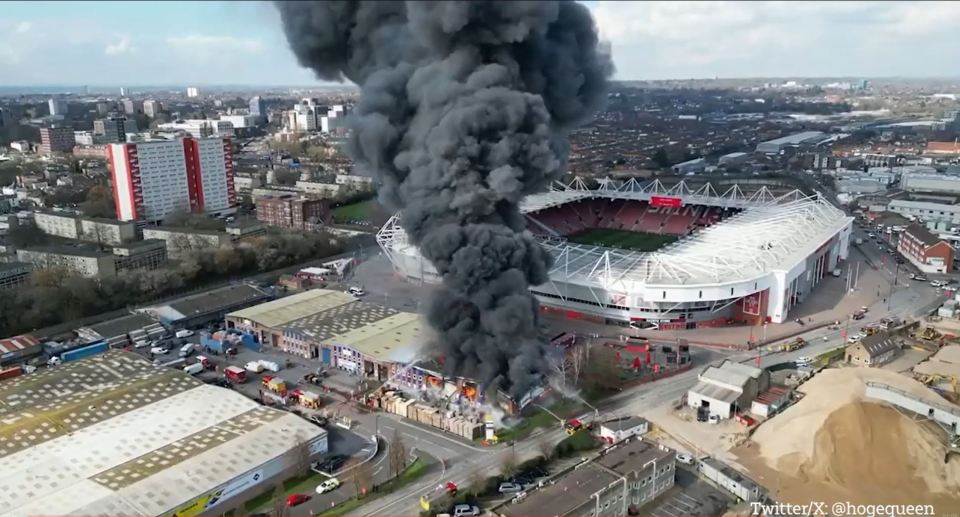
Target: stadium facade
(739, 258)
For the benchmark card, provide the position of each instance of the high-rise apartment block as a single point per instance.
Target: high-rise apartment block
(131, 106)
(152, 179)
(152, 107)
(57, 140)
(293, 212)
(193, 92)
(57, 107)
(111, 130)
(257, 107)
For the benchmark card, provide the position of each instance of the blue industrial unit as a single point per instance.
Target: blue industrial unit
(84, 351)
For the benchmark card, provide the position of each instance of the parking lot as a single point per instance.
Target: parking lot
(690, 496)
(292, 371)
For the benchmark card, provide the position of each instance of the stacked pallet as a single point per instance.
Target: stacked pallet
(395, 403)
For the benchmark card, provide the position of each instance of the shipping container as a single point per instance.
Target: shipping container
(83, 352)
(9, 373)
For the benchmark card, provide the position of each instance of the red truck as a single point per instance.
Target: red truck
(235, 374)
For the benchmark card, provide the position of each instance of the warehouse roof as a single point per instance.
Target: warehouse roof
(115, 435)
(714, 392)
(796, 138)
(18, 343)
(216, 299)
(286, 310)
(633, 456)
(122, 325)
(390, 339)
(325, 324)
(730, 373)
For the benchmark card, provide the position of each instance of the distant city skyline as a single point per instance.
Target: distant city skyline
(241, 43)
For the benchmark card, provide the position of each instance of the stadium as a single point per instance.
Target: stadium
(670, 257)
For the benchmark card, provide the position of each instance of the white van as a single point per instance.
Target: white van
(186, 350)
(183, 333)
(193, 369)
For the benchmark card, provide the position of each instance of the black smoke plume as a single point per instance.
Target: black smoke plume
(464, 110)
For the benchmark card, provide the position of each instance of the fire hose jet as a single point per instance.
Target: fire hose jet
(465, 108)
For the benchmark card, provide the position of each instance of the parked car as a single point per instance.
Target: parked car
(317, 419)
(143, 343)
(183, 333)
(159, 350)
(465, 509)
(937, 283)
(510, 488)
(296, 499)
(328, 486)
(357, 291)
(331, 464)
(686, 459)
(804, 361)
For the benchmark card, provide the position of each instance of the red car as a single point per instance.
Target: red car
(296, 499)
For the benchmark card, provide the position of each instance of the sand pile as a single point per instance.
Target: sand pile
(835, 445)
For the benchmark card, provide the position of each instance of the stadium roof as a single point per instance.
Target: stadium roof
(771, 233)
(115, 435)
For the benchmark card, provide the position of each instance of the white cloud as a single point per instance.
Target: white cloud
(210, 44)
(738, 38)
(23, 27)
(122, 46)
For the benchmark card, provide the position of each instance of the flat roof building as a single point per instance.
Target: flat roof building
(728, 388)
(341, 331)
(616, 483)
(113, 434)
(795, 140)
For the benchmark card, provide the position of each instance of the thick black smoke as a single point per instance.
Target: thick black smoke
(464, 110)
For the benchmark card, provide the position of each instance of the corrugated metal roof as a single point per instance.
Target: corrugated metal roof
(300, 305)
(391, 339)
(712, 391)
(731, 374)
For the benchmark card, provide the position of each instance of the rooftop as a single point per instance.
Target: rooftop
(122, 325)
(712, 391)
(796, 138)
(114, 435)
(209, 301)
(292, 308)
(771, 233)
(18, 343)
(878, 344)
(624, 423)
(633, 456)
(566, 495)
(730, 373)
(924, 235)
(389, 339)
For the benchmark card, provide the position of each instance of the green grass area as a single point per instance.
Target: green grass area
(361, 211)
(301, 484)
(622, 239)
(582, 440)
(413, 472)
(538, 419)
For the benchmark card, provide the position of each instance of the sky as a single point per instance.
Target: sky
(233, 43)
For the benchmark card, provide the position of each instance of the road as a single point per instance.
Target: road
(906, 299)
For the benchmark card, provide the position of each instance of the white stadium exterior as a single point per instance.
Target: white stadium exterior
(751, 266)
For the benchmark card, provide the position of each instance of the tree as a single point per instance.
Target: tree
(99, 203)
(183, 218)
(398, 454)
(508, 463)
(361, 477)
(545, 449)
(278, 503)
(476, 482)
(26, 234)
(660, 158)
(301, 455)
(602, 372)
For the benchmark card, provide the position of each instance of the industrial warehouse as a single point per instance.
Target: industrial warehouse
(112, 434)
(671, 257)
(335, 327)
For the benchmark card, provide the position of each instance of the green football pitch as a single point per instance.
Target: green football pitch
(622, 239)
